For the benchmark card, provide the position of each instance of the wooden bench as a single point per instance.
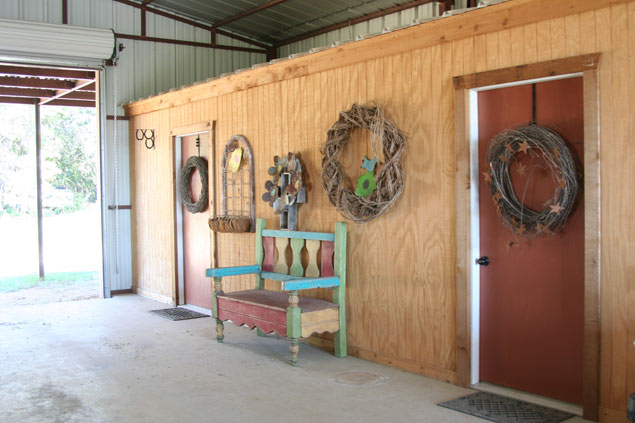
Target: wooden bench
(287, 313)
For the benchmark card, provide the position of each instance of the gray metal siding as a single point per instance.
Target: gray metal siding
(374, 26)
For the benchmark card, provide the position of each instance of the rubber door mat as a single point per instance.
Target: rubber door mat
(178, 313)
(501, 409)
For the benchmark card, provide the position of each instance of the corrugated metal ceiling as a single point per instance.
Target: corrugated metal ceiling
(280, 22)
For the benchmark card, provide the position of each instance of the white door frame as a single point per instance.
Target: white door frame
(178, 135)
(475, 219)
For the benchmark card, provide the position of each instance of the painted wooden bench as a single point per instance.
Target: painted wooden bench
(287, 313)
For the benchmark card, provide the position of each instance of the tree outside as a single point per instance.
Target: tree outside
(71, 224)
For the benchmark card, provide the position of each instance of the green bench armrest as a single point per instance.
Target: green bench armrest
(310, 283)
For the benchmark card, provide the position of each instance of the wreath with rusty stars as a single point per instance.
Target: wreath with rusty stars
(545, 144)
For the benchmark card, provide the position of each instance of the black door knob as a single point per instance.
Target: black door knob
(483, 261)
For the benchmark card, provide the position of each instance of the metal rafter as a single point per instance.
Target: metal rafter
(196, 25)
(61, 93)
(248, 12)
(56, 73)
(188, 43)
(26, 92)
(53, 84)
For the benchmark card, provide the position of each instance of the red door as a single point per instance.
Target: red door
(196, 235)
(532, 293)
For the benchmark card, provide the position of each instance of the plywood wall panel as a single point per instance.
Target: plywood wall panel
(401, 274)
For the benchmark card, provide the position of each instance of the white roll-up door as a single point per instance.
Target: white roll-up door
(36, 41)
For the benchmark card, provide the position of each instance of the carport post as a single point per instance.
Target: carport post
(38, 172)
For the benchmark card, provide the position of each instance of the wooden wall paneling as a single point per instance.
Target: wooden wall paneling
(423, 179)
(531, 43)
(287, 124)
(436, 294)
(558, 41)
(630, 299)
(447, 357)
(412, 233)
(517, 44)
(414, 192)
(504, 48)
(492, 51)
(310, 155)
(480, 45)
(587, 32)
(386, 90)
(572, 35)
(614, 158)
(543, 41)
(400, 281)
(469, 65)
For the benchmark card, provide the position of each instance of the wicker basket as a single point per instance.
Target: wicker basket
(233, 224)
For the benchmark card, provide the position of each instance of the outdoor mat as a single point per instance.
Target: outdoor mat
(497, 408)
(178, 313)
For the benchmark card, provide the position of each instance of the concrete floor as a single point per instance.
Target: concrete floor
(112, 361)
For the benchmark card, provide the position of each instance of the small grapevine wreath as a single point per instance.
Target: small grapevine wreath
(369, 202)
(185, 176)
(543, 143)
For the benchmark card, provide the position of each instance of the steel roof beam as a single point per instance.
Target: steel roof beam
(61, 93)
(26, 92)
(78, 95)
(191, 23)
(248, 12)
(71, 103)
(53, 84)
(349, 22)
(188, 43)
(46, 72)
(18, 100)
(89, 88)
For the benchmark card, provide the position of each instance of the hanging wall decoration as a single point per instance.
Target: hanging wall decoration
(237, 213)
(545, 144)
(235, 158)
(185, 183)
(377, 191)
(284, 190)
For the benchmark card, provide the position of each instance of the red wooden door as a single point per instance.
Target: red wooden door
(196, 235)
(532, 293)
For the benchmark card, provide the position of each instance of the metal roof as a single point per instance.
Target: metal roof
(277, 21)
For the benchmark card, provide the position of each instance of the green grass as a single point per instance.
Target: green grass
(17, 283)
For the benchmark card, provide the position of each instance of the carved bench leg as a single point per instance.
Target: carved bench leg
(294, 349)
(294, 327)
(218, 289)
(219, 331)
